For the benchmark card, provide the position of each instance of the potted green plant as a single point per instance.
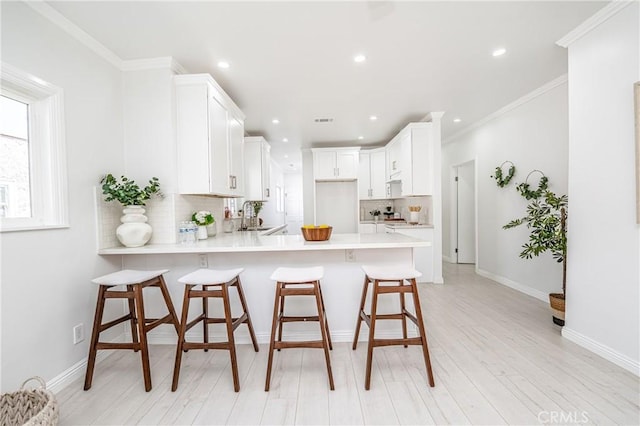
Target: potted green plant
(203, 219)
(134, 231)
(375, 213)
(546, 219)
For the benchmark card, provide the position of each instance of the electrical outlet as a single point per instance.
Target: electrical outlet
(203, 260)
(78, 333)
(349, 256)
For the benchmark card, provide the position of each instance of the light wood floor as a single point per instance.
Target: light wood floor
(497, 359)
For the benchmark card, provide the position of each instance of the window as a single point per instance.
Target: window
(32, 159)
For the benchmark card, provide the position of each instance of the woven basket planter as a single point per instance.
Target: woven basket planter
(29, 407)
(556, 300)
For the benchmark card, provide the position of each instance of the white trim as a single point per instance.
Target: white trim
(447, 259)
(604, 351)
(507, 108)
(154, 63)
(76, 32)
(593, 22)
(78, 370)
(514, 285)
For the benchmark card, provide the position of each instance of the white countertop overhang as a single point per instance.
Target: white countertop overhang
(246, 242)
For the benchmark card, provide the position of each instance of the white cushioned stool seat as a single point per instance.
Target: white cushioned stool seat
(210, 276)
(390, 272)
(298, 275)
(128, 276)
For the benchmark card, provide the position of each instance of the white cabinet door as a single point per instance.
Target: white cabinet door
(393, 159)
(347, 164)
(364, 177)
(367, 228)
(324, 165)
(377, 175)
(381, 228)
(406, 164)
(219, 144)
(236, 157)
(257, 168)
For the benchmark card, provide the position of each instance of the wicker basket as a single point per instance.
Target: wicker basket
(556, 300)
(29, 407)
(316, 234)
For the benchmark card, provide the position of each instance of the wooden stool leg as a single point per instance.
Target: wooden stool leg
(95, 336)
(273, 335)
(365, 286)
(326, 320)
(372, 329)
(280, 315)
(132, 312)
(167, 301)
(142, 331)
(181, 334)
(402, 311)
(205, 314)
(243, 302)
(231, 342)
(323, 330)
(423, 335)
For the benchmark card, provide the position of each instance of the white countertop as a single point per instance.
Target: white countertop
(252, 241)
(405, 225)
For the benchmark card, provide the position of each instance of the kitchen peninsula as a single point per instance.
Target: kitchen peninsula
(259, 255)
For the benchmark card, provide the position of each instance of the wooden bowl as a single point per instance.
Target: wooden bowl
(316, 234)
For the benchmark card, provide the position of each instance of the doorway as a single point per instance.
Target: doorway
(464, 241)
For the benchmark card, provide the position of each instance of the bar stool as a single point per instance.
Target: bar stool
(392, 274)
(216, 284)
(298, 282)
(135, 281)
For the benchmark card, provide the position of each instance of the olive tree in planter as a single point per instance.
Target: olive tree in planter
(546, 219)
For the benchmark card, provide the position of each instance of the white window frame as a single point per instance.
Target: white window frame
(47, 154)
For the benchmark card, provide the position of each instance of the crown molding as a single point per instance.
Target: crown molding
(510, 107)
(594, 21)
(154, 63)
(76, 32)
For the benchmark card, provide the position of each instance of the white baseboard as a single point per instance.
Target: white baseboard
(447, 259)
(604, 351)
(514, 285)
(79, 369)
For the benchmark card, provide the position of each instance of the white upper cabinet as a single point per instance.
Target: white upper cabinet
(257, 168)
(335, 163)
(412, 152)
(372, 175)
(210, 130)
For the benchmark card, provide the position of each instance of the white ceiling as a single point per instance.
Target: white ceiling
(294, 60)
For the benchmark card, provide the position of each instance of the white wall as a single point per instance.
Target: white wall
(45, 275)
(533, 135)
(603, 300)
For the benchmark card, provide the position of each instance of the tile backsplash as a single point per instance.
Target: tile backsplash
(164, 215)
(400, 205)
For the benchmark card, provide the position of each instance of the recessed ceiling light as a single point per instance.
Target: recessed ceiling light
(457, 120)
(359, 58)
(373, 118)
(223, 64)
(360, 138)
(499, 52)
(286, 156)
(285, 140)
(275, 121)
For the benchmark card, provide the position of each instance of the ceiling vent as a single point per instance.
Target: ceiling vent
(323, 120)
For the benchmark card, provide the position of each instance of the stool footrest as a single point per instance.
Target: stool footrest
(109, 345)
(299, 344)
(283, 318)
(118, 294)
(208, 345)
(204, 293)
(392, 342)
(116, 321)
(306, 291)
(394, 289)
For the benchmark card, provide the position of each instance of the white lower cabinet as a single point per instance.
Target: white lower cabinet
(422, 256)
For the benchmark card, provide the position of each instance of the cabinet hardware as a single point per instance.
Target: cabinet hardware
(267, 190)
(393, 165)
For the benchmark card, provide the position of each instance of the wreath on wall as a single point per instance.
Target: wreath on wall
(525, 189)
(497, 175)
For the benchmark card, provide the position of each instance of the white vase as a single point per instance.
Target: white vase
(212, 230)
(414, 217)
(202, 233)
(134, 231)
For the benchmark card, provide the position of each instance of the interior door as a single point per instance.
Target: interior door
(466, 218)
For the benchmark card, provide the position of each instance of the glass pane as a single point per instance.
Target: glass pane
(14, 158)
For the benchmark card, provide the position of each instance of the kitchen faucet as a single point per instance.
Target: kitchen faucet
(244, 214)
